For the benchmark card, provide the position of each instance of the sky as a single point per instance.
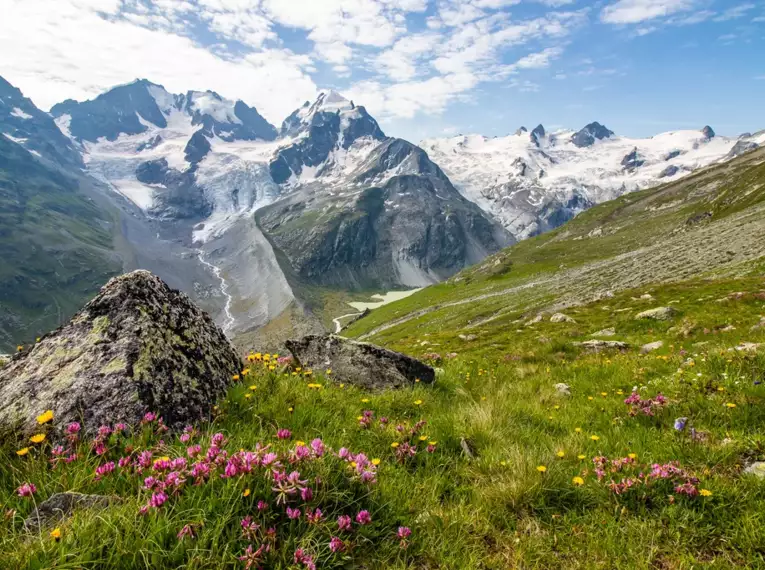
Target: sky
(423, 68)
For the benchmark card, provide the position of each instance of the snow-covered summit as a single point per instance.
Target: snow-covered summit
(535, 181)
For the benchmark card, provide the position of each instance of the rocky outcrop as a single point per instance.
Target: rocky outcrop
(671, 170)
(632, 160)
(590, 133)
(61, 505)
(657, 314)
(708, 132)
(138, 347)
(358, 363)
(561, 318)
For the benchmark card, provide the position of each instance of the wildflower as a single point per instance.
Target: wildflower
(253, 387)
(73, 428)
(632, 455)
(580, 456)
(578, 481)
(262, 505)
(23, 451)
(376, 461)
(235, 377)
(705, 492)
(314, 517)
(395, 444)
(318, 447)
(186, 531)
(344, 522)
(283, 434)
(336, 544)
(252, 558)
(300, 557)
(541, 468)
(363, 517)
(561, 454)
(402, 534)
(55, 534)
(37, 438)
(26, 490)
(418, 402)
(246, 493)
(104, 469)
(306, 494)
(293, 513)
(730, 405)
(158, 499)
(680, 424)
(364, 400)
(578, 430)
(45, 417)
(594, 437)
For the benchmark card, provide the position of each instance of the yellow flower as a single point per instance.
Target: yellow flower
(578, 481)
(705, 493)
(561, 453)
(590, 398)
(19, 348)
(251, 357)
(246, 493)
(37, 438)
(247, 396)
(503, 463)
(580, 456)
(300, 442)
(418, 402)
(556, 407)
(730, 405)
(578, 430)
(632, 455)
(394, 445)
(328, 372)
(342, 385)
(298, 369)
(272, 367)
(23, 451)
(37, 339)
(432, 442)
(55, 534)
(416, 380)
(290, 409)
(541, 468)
(594, 437)
(253, 387)
(354, 464)
(235, 377)
(423, 437)
(266, 357)
(604, 394)
(364, 400)
(359, 417)
(45, 417)
(258, 356)
(376, 461)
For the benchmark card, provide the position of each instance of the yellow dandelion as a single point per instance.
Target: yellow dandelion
(416, 380)
(266, 357)
(541, 468)
(580, 457)
(394, 445)
(290, 409)
(578, 481)
(561, 453)
(300, 442)
(604, 394)
(37, 438)
(235, 377)
(23, 451)
(376, 461)
(590, 398)
(359, 417)
(354, 464)
(423, 437)
(418, 402)
(45, 417)
(272, 367)
(730, 405)
(721, 389)
(246, 493)
(55, 534)
(556, 407)
(328, 371)
(364, 400)
(432, 442)
(705, 492)
(247, 396)
(19, 348)
(253, 387)
(578, 430)
(503, 463)
(298, 369)
(632, 455)
(594, 437)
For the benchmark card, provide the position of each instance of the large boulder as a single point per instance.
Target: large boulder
(359, 363)
(138, 347)
(657, 314)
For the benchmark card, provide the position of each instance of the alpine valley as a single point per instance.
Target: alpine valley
(272, 230)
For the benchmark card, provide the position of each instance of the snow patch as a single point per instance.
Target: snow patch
(222, 110)
(16, 112)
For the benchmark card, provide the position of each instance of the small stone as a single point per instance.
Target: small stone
(651, 346)
(535, 320)
(563, 389)
(468, 448)
(605, 332)
(746, 347)
(561, 318)
(467, 337)
(759, 325)
(757, 469)
(657, 314)
(646, 297)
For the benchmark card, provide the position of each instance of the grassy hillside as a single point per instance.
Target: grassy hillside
(55, 247)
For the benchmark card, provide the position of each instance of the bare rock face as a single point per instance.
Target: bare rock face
(139, 346)
(358, 363)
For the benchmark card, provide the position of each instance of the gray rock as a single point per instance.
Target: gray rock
(611, 331)
(563, 389)
(757, 469)
(467, 337)
(139, 346)
(468, 448)
(651, 346)
(596, 345)
(746, 347)
(657, 314)
(561, 318)
(61, 505)
(759, 325)
(535, 320)
(358, 363)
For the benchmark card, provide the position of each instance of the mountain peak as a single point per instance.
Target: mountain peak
(589, 133)
(708, 132)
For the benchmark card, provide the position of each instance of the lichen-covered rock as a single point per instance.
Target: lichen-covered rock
(657, 314)
(651, 346)
(60, 505)
(561, 318)
(358, 363)
(139, 346)
(596, 345)
(611, 331)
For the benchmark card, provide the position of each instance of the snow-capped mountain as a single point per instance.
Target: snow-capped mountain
(337, 203)
(535, 181)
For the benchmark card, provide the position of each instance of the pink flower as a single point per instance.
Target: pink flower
(314, 516)
(144, 459)
(306, 494)
(185, 438)
(293, 513)
(363, 518)
(318, 447)
(301, 557)
(284, 434)
(344, 522)
(73, 428)
(336, 545)
(149, 417)
(186, 531)
(404, 532)
(123, 462)
(262, 505)
(194, 450)
(158, 499)
(104, 469)
(100, 448)
(26, 490)
(120, 427)
(343, 453)
(104, 431)
(219, 440)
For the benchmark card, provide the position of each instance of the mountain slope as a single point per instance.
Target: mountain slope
(533, 182)
(710, 223)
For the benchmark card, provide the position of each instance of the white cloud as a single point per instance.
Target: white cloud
(735, 12)
(539, 59)
(63, 49)
(635, 11)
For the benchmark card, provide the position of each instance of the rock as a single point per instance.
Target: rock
(746, 347)
(657, 314)
(61, 505)
(596, 345)
(468, 448)
(646, 297)
(757, 469)
(611, 331)
(358, 363)
(467, 337)
(587, 136)
(759, 325)
(138, 347)
(708, 132)
(535, 320)
(651, 346)
(561, 318)
(563, 389)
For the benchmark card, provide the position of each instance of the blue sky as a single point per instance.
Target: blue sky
(422, 67)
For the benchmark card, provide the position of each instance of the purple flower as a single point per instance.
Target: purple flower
(262, 505)
(314, 516)
(26, 490)
(336, 545)
(344, 522)
(158, 499)
(293, 513)
(343, 453)
(318, 447)
(284, 434)
(306, 494)
(73, 428)
(104, 469)
(680, 423)
(404, 532)
(363, 518)
(149, 417)
(219, 440)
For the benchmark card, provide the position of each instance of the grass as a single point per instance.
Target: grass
(495, 510)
